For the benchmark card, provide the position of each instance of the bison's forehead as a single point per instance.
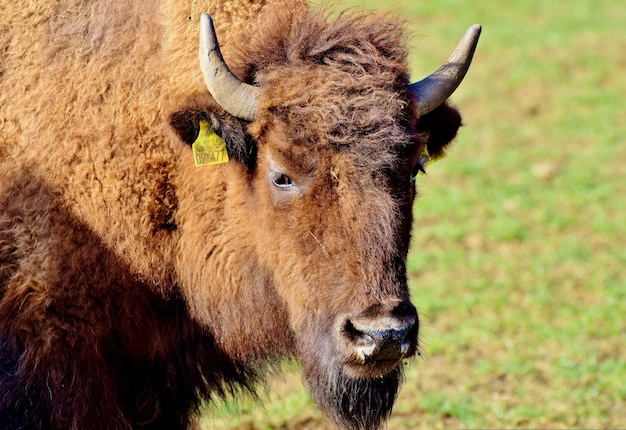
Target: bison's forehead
(328, 109)
(339, 81)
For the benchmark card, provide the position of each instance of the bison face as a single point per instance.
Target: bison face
(334, 183)
(332, 144)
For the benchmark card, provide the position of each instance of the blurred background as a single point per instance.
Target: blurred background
(518, 264)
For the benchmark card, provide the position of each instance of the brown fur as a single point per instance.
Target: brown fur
(133, 284)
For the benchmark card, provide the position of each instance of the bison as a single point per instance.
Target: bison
(134, 283)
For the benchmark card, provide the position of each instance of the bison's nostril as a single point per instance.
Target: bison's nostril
(357, 336)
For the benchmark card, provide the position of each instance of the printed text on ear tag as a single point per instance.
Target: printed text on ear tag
(209, 148)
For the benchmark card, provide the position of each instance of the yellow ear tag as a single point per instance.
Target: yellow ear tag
(209, 148)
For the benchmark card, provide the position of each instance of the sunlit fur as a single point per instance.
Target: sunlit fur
(134, 285)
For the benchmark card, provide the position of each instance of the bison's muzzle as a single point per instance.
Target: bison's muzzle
(380, 337)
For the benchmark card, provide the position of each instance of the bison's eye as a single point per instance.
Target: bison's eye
(419, 167)
(281, 181)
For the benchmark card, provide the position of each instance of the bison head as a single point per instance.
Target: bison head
(332, 135)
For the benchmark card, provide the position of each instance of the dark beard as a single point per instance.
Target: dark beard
(355, 404)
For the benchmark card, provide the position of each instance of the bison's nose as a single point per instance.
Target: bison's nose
(383, 336)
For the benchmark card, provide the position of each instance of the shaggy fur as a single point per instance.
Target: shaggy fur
(134, 285)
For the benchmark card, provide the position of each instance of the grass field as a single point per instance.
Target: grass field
(518, 265)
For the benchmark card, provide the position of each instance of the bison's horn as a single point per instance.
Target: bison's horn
(435, 89)
(236, 97)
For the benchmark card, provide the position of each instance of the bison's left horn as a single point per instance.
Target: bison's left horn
(435, 89)
(236, 97)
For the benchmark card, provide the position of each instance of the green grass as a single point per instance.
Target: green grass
(519, 260)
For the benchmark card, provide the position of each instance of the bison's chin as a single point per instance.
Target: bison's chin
(352, 403)
(353, 362)
(354, 397)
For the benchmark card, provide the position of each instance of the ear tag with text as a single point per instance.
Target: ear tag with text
(209, 148)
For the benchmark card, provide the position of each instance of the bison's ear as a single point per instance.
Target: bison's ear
(239, 144)
(441, 126)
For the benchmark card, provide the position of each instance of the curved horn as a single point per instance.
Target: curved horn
(236, 97)
(435, 89)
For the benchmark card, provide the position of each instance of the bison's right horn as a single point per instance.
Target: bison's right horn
(236, 97)
(435, 89)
